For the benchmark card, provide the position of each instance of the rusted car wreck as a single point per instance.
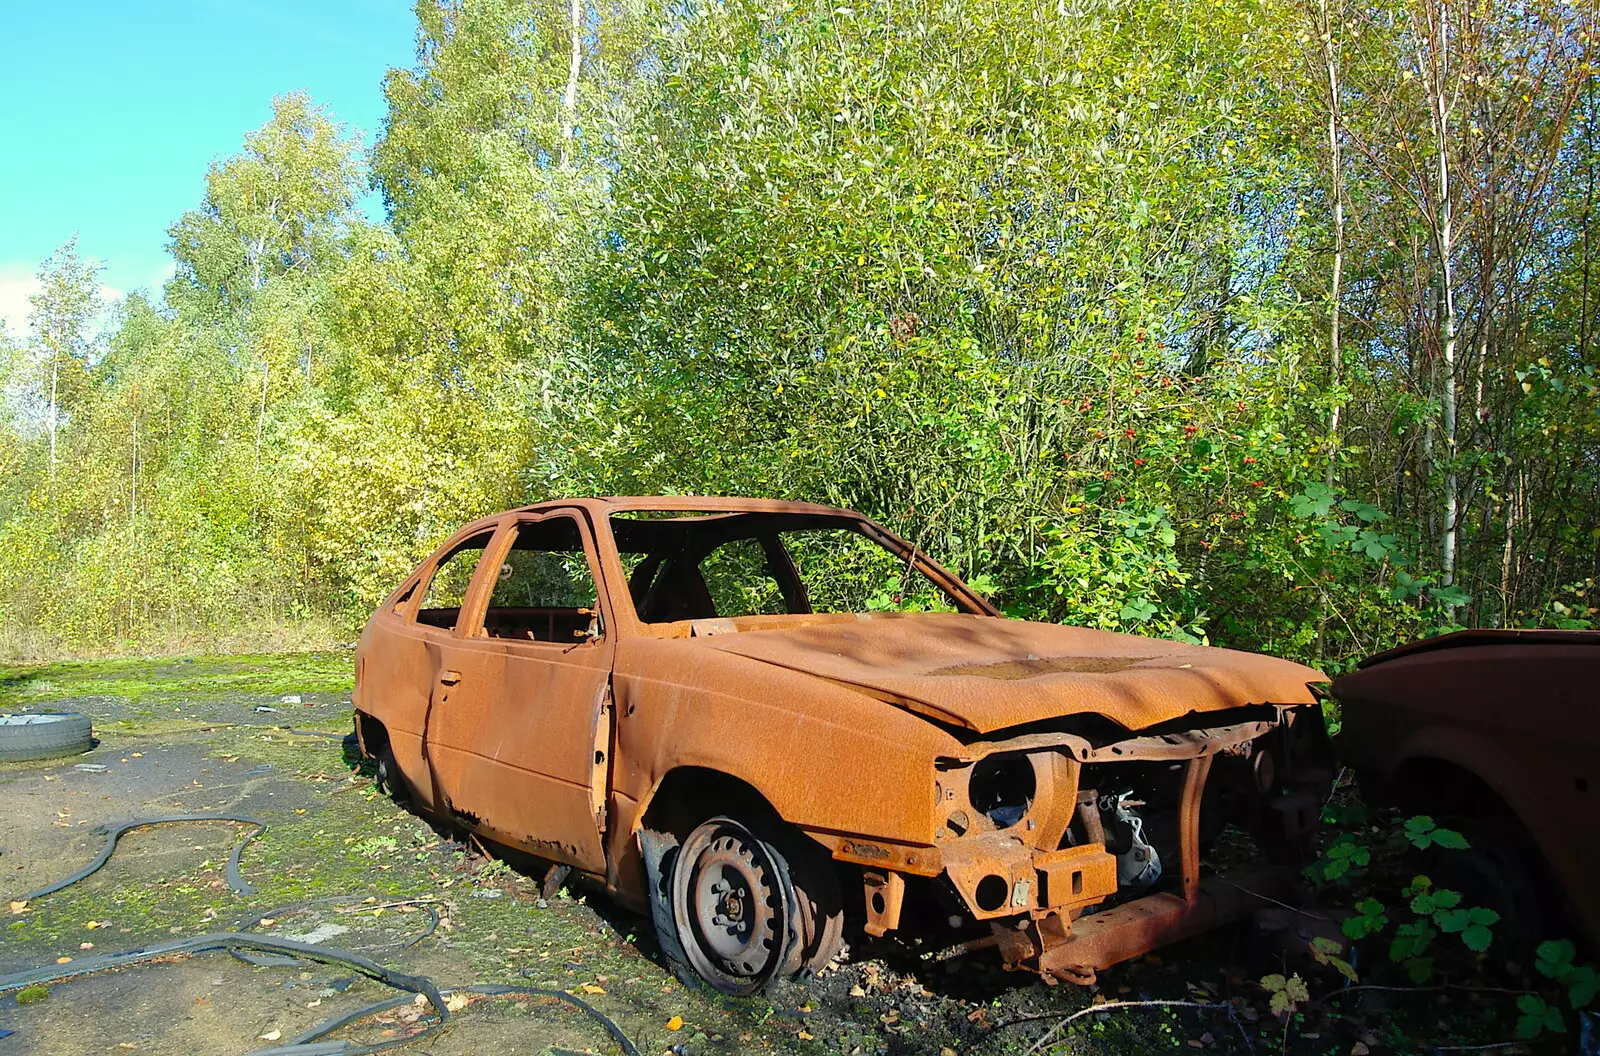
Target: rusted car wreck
(722, 711)
(1493, 733)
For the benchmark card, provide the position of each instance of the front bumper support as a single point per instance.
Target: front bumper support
(1121, 933)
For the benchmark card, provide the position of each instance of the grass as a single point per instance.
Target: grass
(170, 680)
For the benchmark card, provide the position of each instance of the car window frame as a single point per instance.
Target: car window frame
(500, 547)
(470, 611)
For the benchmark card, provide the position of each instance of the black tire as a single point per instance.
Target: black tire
(1501, 869)
(32, 736)
(819, 903)
(388, 777)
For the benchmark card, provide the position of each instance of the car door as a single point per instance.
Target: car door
(522, 726)
(462, 674)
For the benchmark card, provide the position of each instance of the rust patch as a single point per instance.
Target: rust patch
(1033, 667)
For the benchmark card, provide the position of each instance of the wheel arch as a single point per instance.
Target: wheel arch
(371, 735)
(1459, 770)
(688, 794)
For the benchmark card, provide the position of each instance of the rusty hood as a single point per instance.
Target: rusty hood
(986, 674)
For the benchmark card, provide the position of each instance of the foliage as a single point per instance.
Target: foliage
(1353, 862)
(1433, 911)
(1045, 287)
(1580, 983)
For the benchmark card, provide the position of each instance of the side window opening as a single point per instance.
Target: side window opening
(544, 590)
(400, 603)
(690, 566)
(447, 587)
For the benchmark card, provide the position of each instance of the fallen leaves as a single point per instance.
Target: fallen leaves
(271, 1035)
(18, 907)
(590, 988)
(675, 1023)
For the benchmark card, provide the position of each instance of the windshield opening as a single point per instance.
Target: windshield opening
(694, 566)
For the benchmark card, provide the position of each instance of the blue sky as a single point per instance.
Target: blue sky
(114, 110)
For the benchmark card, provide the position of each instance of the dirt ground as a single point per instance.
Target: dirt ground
(264, 736)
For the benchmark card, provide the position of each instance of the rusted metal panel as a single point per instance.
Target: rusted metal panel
(1512, 710)
(910, 659)
(949, 746)
(1074, 877)
(885, 895)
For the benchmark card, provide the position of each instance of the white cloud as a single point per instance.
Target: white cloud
(17, 282)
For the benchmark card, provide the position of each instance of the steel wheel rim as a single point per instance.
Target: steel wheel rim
(731, 907)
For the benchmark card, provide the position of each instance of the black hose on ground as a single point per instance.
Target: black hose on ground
(235, 881)
(496, 990)
(227, 940)
(310, 1043)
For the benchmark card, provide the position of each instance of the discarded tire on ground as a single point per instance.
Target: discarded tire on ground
(43, 736)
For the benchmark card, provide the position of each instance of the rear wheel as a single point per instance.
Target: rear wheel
(388, 777)
(1501, 869)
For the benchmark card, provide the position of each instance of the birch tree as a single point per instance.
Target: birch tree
(62, 315)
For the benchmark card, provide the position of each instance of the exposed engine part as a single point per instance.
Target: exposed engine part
(1138, 864)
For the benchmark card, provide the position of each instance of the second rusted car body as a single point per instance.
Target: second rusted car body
(1048, 788)
(1495, 732)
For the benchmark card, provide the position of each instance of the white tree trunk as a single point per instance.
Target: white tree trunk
(55, 377)
(569, 103)
(1433, 59)
(1336, 290)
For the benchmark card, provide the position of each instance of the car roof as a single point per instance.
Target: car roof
(607, 505)
(1480, 636)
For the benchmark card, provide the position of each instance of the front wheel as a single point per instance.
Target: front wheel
(749, 908)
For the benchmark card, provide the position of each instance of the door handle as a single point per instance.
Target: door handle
(449, 678)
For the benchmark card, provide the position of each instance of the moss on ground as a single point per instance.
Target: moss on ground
(175, 679)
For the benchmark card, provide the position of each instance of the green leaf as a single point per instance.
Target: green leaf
(1553, 957)
(1583, 986)
(1477, 937)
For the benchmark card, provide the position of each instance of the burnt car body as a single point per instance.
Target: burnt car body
(1496, 733)
(652, 692)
